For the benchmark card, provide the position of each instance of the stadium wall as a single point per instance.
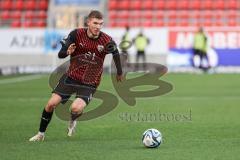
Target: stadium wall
(29, 48)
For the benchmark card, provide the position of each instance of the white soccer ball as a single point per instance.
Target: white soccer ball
(152, 138)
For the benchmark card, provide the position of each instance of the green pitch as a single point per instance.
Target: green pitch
(199, 120)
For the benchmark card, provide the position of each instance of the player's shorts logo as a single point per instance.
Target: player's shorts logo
(100, 48)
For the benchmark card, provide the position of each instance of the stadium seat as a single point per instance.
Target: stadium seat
(6, 5)
(136, 14)
(219, 5)
(171, 4)
(29, 14)
(42, 5)
(194, 4)
(183, 4)
(147, 4)
(135, 5)
(159, 14)
(123, 14)
(159, 4)
(147, 14)
(28, 23)
(206, 4)
(135, 23)
(146, 23)
(124, 4)
(158, 23)
(29, 5)
(40, 23)
(41, 14)
(5, 15)
(112, 15)
(16, 14)
(232, 4)
(232, 22)
(16, 24)
(17, 5)
(112, 5)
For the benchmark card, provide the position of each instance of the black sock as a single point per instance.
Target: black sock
(75, 115)
(46, 118)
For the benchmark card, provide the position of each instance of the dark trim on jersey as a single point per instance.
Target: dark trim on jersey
(85, 30)
(66, 42)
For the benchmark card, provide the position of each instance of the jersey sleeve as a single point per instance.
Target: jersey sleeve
(66, 42)
(112, 48)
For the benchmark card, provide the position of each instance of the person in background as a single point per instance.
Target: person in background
(200, 50)
(141, 42)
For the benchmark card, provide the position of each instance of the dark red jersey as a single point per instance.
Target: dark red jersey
(86, 62)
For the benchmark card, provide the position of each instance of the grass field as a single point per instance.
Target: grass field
(211, 130)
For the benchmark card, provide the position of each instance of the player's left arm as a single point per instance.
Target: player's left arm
(112, 48)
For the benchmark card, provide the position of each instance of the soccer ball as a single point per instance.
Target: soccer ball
(152, 138)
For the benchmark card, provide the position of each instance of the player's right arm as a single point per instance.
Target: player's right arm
(68, 45)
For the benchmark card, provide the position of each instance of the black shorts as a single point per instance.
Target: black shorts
(68, 86)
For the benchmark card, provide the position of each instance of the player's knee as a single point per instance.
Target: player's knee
(78, 107)
(50, 106)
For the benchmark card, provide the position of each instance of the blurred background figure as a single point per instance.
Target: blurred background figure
(200, 47)
(124, 46)
(141, 42)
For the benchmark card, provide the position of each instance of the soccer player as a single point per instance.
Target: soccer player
(87, 48)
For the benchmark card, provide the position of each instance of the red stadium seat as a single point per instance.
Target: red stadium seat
(232, 4)
(29, 14)
(136, 14)
(194, 4)
(124, 4)
(135, 23)
(207, 4)
(147, 4)
(112, 5)
(42, 5)
(5, 15)
(135, 4)
(123, 14)
(112, 15)
(147, 14)
(28, 23)
(219, 5)
(172, 14)
(40, 23)
(232, 22)
(16, 24)
(6, 4)
(159, 14)
(112, 24)
(17, 5)
(171, 4)
(158, 23)
(41, 14)
(146, 23)
(16, 14)
(183, 4)
(121, 23)
(184, 22)
(29, 5)
(159, 4)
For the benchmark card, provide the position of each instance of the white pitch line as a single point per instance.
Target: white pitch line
(20, 79)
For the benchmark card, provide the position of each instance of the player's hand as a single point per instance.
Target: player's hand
(71, 48)
(119, 78)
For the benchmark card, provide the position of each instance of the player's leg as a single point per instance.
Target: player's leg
(46, 116)
(77, 108)
(144, 60)
(137, 60)
(83, 97)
